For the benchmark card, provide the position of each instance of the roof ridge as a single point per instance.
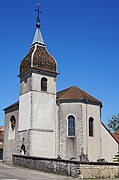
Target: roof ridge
(76, 88)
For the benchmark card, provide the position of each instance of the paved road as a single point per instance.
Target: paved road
(13, 173)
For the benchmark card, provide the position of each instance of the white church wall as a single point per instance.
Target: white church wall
(109, 145)
(43, 110)
(70, 147)
(43, 103)
(94, 142)
(36, 83)
(38, 114)
(24, 112)
(25, 83)
(24, 138)
(10, 136)
(43, 144)
(43, 117)
(91, 145)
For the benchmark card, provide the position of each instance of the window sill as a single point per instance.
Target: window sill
(71, 136)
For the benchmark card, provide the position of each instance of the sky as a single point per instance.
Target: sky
(83, 37)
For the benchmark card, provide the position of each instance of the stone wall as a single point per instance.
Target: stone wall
(68, 168)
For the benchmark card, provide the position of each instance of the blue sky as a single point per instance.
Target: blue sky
(82, 35)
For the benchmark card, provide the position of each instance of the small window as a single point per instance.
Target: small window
(43, 84)
(91, 124)
(23, 149)
(12, 122)
(71, 126)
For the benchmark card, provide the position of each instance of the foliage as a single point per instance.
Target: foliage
(116, 158)
(113, 123)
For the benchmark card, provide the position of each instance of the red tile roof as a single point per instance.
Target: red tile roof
(75, 93)
(2, 128)
(116, 135)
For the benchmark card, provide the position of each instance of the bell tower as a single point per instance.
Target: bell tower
(37, 101)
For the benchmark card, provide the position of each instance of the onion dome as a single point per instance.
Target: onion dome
(38, 56)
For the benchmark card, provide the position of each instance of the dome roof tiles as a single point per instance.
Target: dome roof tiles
(39, 58)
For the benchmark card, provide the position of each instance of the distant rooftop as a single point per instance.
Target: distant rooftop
(116, 135)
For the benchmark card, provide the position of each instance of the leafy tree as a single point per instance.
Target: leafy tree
(113, 123)
(116, 158)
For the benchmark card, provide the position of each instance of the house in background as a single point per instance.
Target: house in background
(1, 141)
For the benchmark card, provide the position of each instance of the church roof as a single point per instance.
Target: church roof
(75, 93)
(12, 105)
(38, 56)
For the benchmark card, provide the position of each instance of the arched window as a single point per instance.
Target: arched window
(71, 126)
(43, 84)
(23, 149)
(12, 122)
(91, 128)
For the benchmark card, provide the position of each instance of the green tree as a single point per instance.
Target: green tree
(116, 158)
(113, 123)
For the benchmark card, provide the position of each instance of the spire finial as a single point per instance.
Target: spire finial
(38, 17)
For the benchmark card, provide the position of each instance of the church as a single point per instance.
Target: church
(46, 123)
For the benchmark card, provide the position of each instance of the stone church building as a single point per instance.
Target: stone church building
(46, 123)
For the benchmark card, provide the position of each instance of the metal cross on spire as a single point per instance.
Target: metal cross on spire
(38, 18)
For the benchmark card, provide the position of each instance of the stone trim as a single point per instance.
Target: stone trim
(81, 127)
(60, 115)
